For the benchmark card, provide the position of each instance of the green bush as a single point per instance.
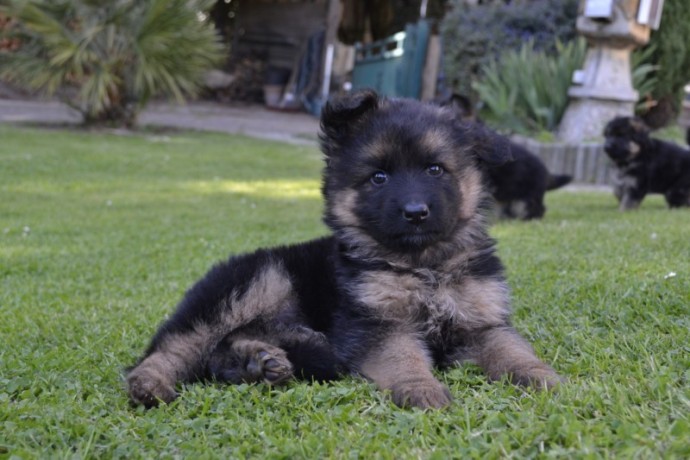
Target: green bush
(527, 90)
(106, 58)
(670, 54)
(474, 36)
(644, 78)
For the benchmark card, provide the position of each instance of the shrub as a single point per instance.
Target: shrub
(527, 90)
(474, 36)
(644, 78)
(671, 55)
(107, 58)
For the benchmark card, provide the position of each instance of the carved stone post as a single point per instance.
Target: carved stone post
(603, 89)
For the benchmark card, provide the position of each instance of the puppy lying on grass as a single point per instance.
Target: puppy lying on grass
(408, 280)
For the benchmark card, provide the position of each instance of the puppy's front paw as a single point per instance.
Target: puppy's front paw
(541, 378)
(421, 394)
(149, 389)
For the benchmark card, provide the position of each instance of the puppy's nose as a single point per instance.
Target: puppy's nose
(415, 213)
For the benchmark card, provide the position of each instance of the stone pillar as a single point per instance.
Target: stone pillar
(603, 88)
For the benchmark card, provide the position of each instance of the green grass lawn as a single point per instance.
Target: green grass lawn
(100, 234)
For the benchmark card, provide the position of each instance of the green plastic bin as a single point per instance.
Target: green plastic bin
(394, 65)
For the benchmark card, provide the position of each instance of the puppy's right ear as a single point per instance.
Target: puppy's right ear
(342, 114)
(638, 125)
(491, 148)
(461, 106)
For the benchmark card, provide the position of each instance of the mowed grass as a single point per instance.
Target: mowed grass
(100, 235)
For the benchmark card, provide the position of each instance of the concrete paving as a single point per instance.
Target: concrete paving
(250, 120)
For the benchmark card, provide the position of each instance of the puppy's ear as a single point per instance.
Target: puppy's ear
(491, 148)
(461, 106)
(638, 125)
(342, 114)
(640, 133)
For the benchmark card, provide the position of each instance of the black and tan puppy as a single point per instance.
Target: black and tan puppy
(408, 280)
(646, 165)
(518, 186)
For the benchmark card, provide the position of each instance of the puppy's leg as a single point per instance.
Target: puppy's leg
(174, 358)
(629, 202)
(246, 360)
(182, 346)
(630, 193)
(678, 197)
(401, 364)
(502, 351)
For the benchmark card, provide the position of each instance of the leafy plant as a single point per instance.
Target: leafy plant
(644, 78)
(527, 90)
(106, 59)
(670, 54)
(473, 36)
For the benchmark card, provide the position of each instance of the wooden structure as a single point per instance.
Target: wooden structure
(585, 161)
(293, 39)
(299, 38)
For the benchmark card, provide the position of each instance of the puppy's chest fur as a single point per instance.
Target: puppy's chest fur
(432, 302)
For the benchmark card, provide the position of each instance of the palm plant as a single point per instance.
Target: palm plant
(107, 58)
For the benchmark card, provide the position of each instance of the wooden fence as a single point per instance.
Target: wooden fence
(586, 162)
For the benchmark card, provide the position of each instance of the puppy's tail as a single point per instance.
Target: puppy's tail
(557, 181)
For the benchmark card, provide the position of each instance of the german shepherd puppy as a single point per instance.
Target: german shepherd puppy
(518, 186)
(645, 165)
(409, 278)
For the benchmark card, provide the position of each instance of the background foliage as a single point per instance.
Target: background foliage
(478, 39)
(106, 58)
(526, 90)
(669, 52)
(475, 36)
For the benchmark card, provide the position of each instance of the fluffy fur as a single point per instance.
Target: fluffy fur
(646, 165)
(518, 186)
(408, 280)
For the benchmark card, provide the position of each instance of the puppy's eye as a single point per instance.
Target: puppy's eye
(434, 170)
(379, 178)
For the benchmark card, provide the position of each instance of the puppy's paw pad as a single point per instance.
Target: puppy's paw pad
(270, 364)
(424, 395)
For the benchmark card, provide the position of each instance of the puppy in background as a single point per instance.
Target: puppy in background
(645, 165)
(518, 186)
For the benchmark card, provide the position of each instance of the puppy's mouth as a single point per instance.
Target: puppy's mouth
(417, 237)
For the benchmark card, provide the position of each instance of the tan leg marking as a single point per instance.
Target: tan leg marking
(504, 352)
(180, 356)
(270, 292)
(401, 364)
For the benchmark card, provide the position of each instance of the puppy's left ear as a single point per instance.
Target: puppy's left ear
(341, 116)
(491, 148)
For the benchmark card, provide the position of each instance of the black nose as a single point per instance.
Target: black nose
(415, 213)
